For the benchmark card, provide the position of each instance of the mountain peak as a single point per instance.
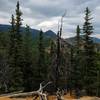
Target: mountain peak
(35, 32)
(50, 33)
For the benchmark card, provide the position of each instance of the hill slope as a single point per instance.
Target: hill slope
(73, 39)
(49, 33)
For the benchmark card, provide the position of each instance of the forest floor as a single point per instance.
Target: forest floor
(66, 97)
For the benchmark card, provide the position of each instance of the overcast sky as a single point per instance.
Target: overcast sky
(45, 14)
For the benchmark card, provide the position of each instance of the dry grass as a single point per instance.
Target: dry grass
(66, 97)
(89, 98)
(4, 98)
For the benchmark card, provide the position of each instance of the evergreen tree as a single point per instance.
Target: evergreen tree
(4, 67)
(11, 35)
(15, 51)
(74, 70)
(71, 81)
(51, 58)
(28, 65)
(89, 65)
(98, 74)
(18, 20)
(78, 30)
(11, 50)
(52, 48)
(40, 69)
(77, 62)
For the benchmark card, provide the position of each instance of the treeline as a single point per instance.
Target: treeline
(25, 62)
(22, 62)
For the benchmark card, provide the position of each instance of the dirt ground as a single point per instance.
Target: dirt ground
(66, 97)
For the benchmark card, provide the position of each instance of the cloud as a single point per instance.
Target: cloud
(96, 35)
(45, 14)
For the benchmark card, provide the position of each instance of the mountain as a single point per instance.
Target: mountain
(73, 39)
(48, 34)
(72, 42)
(96, 40)
(4, 28)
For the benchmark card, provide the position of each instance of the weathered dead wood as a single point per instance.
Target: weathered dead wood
(39, 93)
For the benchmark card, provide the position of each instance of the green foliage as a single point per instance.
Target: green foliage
(89, 67)
(4, 68)
(26, 62)
(52, 55)
(15, 51)
(41, 68)
(78, 30)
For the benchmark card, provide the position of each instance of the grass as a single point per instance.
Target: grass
(53, 97)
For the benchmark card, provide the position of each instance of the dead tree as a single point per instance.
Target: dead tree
(43, 96)
(58, 52)
(39, 93)
(59, 94)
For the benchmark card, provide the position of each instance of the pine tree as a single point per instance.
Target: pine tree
(28, 65)
(11, 51)
(51, 58)
(78, 36)
(11, 37)
(98, 74)
(77, 62)
(18, 19)
(15, 51)
(89, 65)
(4, 67)
(52, 48)
(41, 68)
(72, 70)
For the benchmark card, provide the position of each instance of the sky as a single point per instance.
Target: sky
(45, 14)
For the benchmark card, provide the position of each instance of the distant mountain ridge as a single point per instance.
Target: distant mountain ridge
(73, 39)
(96, 40)
(35, 32)
(48, 34)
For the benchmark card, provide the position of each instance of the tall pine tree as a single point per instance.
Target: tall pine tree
(78, 31)
(15, 51)
(40, 69)
(77, 61)
(28, 65)
(4, 67)
(89, 65)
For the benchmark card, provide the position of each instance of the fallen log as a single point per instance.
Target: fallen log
(25, 94)
(39, 93)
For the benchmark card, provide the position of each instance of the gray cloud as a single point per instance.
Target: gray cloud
(46, 13)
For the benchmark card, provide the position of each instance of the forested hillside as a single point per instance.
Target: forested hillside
(29, 57)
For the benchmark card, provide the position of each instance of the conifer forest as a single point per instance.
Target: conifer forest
(30, 60)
